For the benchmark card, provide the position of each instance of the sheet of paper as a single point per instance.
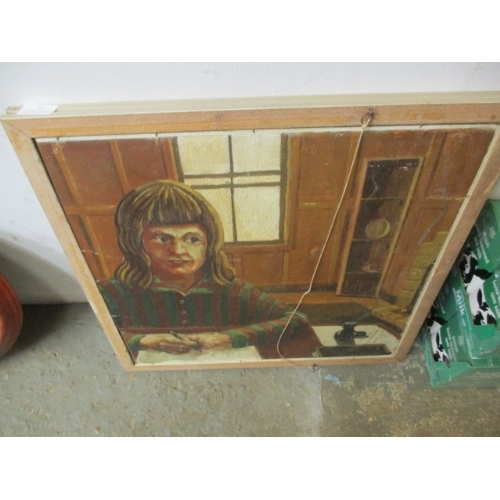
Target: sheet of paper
(215, 356)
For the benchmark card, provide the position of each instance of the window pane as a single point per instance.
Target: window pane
(221, 201)
(204, 154)
(257, 179)
(257, 213)
(256, 151)
(208, 181)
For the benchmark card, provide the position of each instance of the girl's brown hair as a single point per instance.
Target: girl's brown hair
(170, 203)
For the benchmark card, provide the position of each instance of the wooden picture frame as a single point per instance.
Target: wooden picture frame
(345, 213)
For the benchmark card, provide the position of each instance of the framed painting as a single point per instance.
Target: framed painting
(266, 232)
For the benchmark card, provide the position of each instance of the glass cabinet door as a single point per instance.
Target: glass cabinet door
(385, 194)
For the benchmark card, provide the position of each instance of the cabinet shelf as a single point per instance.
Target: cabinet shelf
(383, 198)
(371, 240)
(363, 273)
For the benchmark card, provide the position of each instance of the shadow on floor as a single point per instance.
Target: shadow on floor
(39, 321)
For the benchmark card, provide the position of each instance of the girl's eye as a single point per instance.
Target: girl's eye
(193, 239)
(162, 239)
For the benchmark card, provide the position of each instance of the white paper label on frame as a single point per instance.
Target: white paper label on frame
(37, 109)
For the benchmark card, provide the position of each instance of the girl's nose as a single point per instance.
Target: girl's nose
(177, 246)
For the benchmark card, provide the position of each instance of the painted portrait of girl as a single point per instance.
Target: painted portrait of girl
(175, 290)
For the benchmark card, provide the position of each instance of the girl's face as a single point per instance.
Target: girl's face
(175, 252)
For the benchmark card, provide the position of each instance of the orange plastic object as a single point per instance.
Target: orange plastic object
(11, 316)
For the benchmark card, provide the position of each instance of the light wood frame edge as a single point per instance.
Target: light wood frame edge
(234, 114)
(35, 171)
(23, 130)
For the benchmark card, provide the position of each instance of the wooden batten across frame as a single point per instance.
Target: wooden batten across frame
(439, 134)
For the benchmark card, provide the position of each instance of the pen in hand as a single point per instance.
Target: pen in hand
(177, 336)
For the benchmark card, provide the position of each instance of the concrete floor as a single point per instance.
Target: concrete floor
(63, 379)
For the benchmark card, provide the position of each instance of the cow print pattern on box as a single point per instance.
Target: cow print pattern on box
(473, 279)
(434, 324)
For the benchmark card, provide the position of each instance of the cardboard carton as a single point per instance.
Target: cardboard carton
(473, 373)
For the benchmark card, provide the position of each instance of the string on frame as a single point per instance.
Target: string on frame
(365, 122)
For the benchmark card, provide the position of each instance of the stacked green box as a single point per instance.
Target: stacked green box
(487, 237)
(450, 320)
(482, 339)
(479, 264)
(464, 349)
(473, 373)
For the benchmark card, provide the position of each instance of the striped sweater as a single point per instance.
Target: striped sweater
(240, 310)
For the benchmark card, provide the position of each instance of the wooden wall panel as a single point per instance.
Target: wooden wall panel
(451, 163)
(426, 223)
(56, 175)
(90, 171)
(81, 232)
(262, 268)
(323, 161)
(394, 144)
(461, 156)
(143, 160)
(312, 229)
(318, 168)
(103, 227)
(235, 260)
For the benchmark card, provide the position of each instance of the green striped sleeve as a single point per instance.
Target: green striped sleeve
(261, 333)
(238, 338)
(133, 342)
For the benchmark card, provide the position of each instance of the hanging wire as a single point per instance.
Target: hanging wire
(366, 120)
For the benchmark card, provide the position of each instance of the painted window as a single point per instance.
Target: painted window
(241, 174)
